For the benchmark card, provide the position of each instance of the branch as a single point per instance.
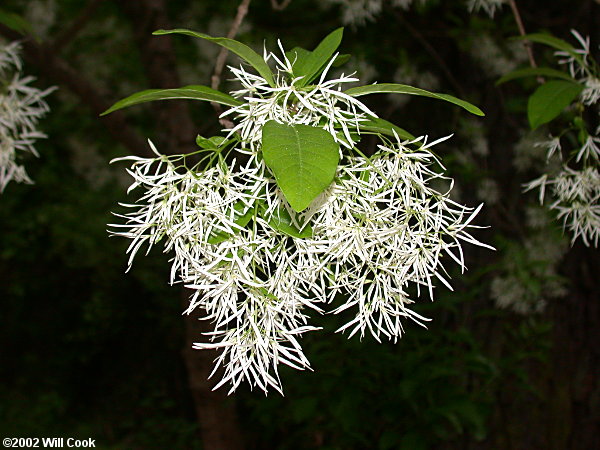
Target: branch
(60, 72)
(527, 44)
(216, 414)
(222, 57)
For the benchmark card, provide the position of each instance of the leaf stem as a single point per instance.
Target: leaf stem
(526, 43)
(222, 58)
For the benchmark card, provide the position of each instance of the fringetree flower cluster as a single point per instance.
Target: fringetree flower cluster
(21, 106)
(284, 214)
(572, 179)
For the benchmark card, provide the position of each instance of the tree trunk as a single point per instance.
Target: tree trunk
(215, 411)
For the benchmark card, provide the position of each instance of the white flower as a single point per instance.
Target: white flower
(489, 6)
(589, 149)
(380, 228)
(21, 106)
(575, 194)
(591, 93)
(375, 232)
(358, 12)
(552, 146)
(577, 60)
(289, 104)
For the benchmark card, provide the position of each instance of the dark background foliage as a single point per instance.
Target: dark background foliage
(88, 351)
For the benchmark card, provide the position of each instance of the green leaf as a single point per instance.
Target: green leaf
(242, 50)
(302, 158)
(194, 92)
(217, 237)
(342, 59)
(382, 126)
(14, 22)
(547, 39)
(281, 220)
(549, 100)
(392, 88)
(534, 72)
(210, 143)
(316, 60)
(298, 56)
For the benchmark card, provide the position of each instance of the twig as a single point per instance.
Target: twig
(68, 34)
(280, 6)
(527, 44)
(222, 58)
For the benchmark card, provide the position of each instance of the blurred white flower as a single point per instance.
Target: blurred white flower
(41, 14)
(488, 191)
(511, 293)
(589, 149)
(591, 93)
(21, 106)
(551, 146)
(529, 277)
(358, 12)
(495, 59)
(489, 6)
(575, 198)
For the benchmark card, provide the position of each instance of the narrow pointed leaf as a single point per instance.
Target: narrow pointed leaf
(281, 220)
(298, 57)
(549, 100)
(534, 72)
(303, 160)
(319, 57)
(242, 50)
(342, 59)
(194, 92)
(377, 125)
(14, 22)
(210, 143)
(392, 88)
(547, 39)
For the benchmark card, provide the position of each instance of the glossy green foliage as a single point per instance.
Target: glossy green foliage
(303, 160)
(549, 100)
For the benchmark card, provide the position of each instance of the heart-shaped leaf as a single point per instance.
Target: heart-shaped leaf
(303, 160)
